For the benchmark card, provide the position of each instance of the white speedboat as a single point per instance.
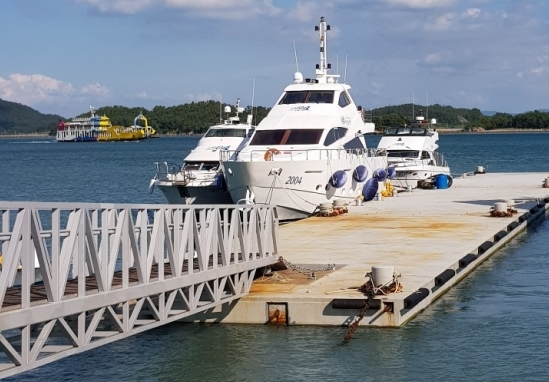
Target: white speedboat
(200, 179)
(411, 151)
(309, 150)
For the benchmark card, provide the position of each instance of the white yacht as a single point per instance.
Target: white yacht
(310, 148)
(411, 151)
(200, 179)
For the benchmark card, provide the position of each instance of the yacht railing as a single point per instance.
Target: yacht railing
(438, 160)
(295, 154)
(168, 171)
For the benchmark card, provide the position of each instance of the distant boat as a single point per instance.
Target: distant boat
(130, 133)
(84, 129)
(148, 131)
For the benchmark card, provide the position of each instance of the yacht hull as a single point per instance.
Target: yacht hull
(188, 194)
(296, 187)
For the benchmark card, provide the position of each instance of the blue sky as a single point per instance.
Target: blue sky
(61, 56)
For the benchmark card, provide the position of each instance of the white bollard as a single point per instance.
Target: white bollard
(382, 274)
(500, 207)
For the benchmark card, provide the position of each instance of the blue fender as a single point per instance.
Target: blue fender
(360, 173)
(338, 179)
(369, 190)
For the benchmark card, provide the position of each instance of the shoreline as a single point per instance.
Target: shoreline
(440, 131)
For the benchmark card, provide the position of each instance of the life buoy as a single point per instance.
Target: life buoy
(270, 153)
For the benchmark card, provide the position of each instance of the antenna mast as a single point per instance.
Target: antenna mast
(413, 104)
(253, 95)
(345, 74)
(322, 68)
(296, 62)
(221, 108)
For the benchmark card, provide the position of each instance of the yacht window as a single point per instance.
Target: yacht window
(334, 134)
(306, 96)
(293, 97)
(225, 132)
(418, 131)
(250, 133)
(355, 143)
(425, 155)
(320, 97)
(286, 137)
(343, 100)
(402, 153)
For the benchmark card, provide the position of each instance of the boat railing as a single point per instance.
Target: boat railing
(437, 160)
(294, 154)
(166, 170)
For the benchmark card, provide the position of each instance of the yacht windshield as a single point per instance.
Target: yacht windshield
(201, 166)
(307, 96)
(225, 132)
(406, 131)
(286, 137)
(403, 153)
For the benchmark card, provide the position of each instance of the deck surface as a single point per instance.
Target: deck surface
(421, 233)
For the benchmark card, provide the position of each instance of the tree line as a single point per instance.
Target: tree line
(196, 117)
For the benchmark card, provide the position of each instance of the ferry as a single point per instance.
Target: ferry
(84, 129)
(130, 133)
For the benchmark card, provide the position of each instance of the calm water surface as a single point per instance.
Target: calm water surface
(492, 327)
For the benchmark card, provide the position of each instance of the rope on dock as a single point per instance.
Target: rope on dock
(503, 214)
(370, 291)
(309, 272)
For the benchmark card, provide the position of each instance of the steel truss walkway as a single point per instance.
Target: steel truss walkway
(108, 271)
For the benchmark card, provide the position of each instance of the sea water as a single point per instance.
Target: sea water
(491, 327)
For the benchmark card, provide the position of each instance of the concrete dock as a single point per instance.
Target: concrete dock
(432, 237)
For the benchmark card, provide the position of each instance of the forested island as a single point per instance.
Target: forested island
(196, 117)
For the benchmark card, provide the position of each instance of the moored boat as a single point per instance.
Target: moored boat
(411, 151)
(200, 179)
(310, 149)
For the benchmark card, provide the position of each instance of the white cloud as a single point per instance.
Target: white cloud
(119, 6)
(432, 58)
(444, 22)
(421, 3)
(95, 89)
(31, 89)
(472, 12)
(146, 96)
(216, 9)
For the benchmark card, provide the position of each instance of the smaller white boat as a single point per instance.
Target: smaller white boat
(411, 151)
(200, 179)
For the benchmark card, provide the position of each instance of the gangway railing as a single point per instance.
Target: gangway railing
(77, 276)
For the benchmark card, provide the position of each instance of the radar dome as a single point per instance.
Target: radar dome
(298, 78)
(227, 109)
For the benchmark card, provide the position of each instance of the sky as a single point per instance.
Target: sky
(61, 56)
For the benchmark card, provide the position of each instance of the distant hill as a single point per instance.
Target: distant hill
(489, 113)
(196, 117)
(446, 116)
(21, 119)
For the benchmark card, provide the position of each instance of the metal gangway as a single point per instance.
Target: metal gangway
(77, 276)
